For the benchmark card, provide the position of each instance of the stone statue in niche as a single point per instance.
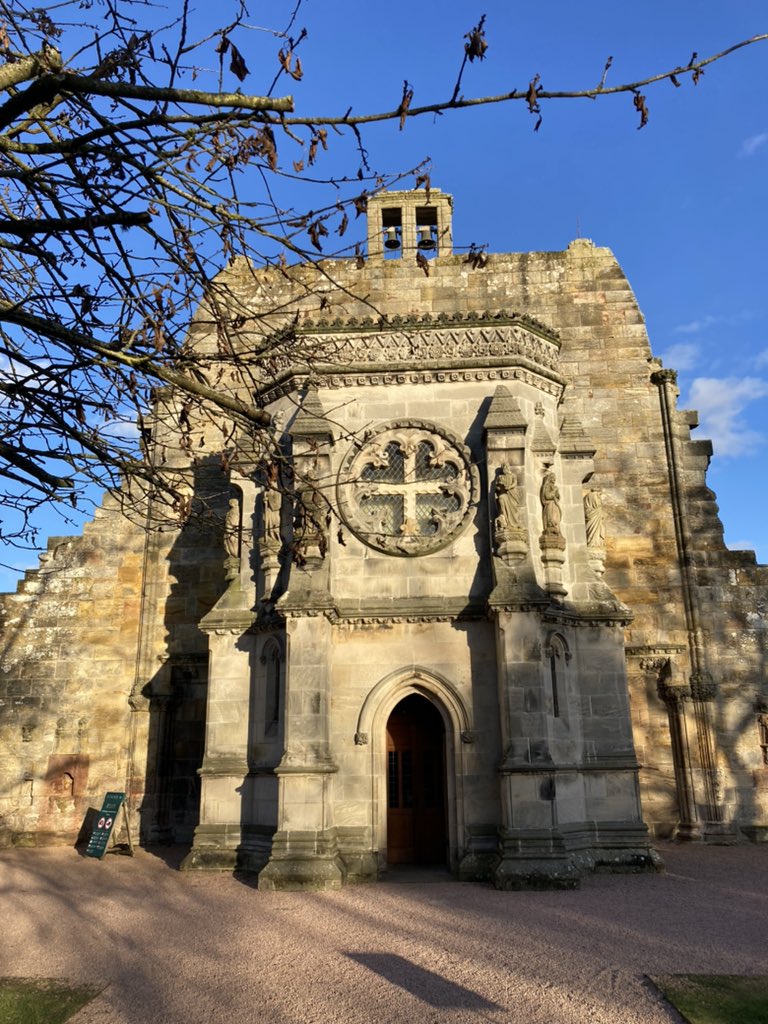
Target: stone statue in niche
(509, 534)
(311, 513)
(594, 518)
(62, 785)
(551, 511)
(507, 500)
(273, 502)
(232, 539)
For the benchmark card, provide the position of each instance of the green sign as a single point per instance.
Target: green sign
(102, 830)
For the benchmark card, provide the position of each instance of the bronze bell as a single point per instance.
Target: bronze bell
(391, 241)
(426, 240)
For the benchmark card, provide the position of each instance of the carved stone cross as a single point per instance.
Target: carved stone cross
(408, 490)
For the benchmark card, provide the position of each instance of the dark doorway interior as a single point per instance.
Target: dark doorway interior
(416, 819)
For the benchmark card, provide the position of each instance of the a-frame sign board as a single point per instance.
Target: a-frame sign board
(102, 830)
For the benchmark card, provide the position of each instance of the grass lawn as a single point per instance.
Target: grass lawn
(716, 998)
(41, 1000)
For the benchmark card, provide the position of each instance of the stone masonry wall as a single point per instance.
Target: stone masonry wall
(68, 661)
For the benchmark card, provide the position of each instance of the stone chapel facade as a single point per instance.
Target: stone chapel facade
(475, 608)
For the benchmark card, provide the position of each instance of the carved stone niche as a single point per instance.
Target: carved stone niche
(407, 488)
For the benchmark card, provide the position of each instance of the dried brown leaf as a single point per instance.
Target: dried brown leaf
(237, 64)
(476, 44)
(405, 103)
(426, 181)
(316, 231)
(640, 106)
(532, 96)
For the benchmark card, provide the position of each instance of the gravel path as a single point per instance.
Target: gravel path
(204, 949)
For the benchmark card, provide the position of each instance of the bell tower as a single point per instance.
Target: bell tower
(400, 224)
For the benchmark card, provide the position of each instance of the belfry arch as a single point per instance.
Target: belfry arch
(374, 716)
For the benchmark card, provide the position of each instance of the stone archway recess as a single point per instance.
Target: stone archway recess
(372, 724)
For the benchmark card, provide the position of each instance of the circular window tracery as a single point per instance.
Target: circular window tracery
(407, 488)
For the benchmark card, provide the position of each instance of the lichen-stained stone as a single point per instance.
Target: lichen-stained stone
(476, 608)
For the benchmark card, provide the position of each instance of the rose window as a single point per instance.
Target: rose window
(406, 489)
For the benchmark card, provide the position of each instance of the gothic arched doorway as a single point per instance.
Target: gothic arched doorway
(416, 799)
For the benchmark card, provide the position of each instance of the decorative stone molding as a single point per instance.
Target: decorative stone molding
(407, 488)
(703, 687)
(438, 345)
(653, 650)
(361, 739)
(362, 376)
(672, 693)
(653, 666)
(660, 377)
(616, 614)
(425, 320)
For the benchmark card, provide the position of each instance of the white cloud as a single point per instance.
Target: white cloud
(120, 430)
(682, 356)
(698, 325)
(751, 145)
(761, 359)
(721, 403)
(741, 316)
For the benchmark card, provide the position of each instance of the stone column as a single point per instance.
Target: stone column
(675, 696)
(220, 841)
(304, 849)
(532, 850)
(218, 837)
(702, 686)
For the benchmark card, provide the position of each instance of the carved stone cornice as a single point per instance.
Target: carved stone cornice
(433, 345)
(653, 650)
(360, 375)
(426, 320)
(589, 615)
(416, 350)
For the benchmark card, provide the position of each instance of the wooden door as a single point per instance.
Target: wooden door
(416, 822)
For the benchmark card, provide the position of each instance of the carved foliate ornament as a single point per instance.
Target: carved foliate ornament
(407, 488)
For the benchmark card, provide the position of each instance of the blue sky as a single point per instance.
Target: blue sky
(682, 203)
